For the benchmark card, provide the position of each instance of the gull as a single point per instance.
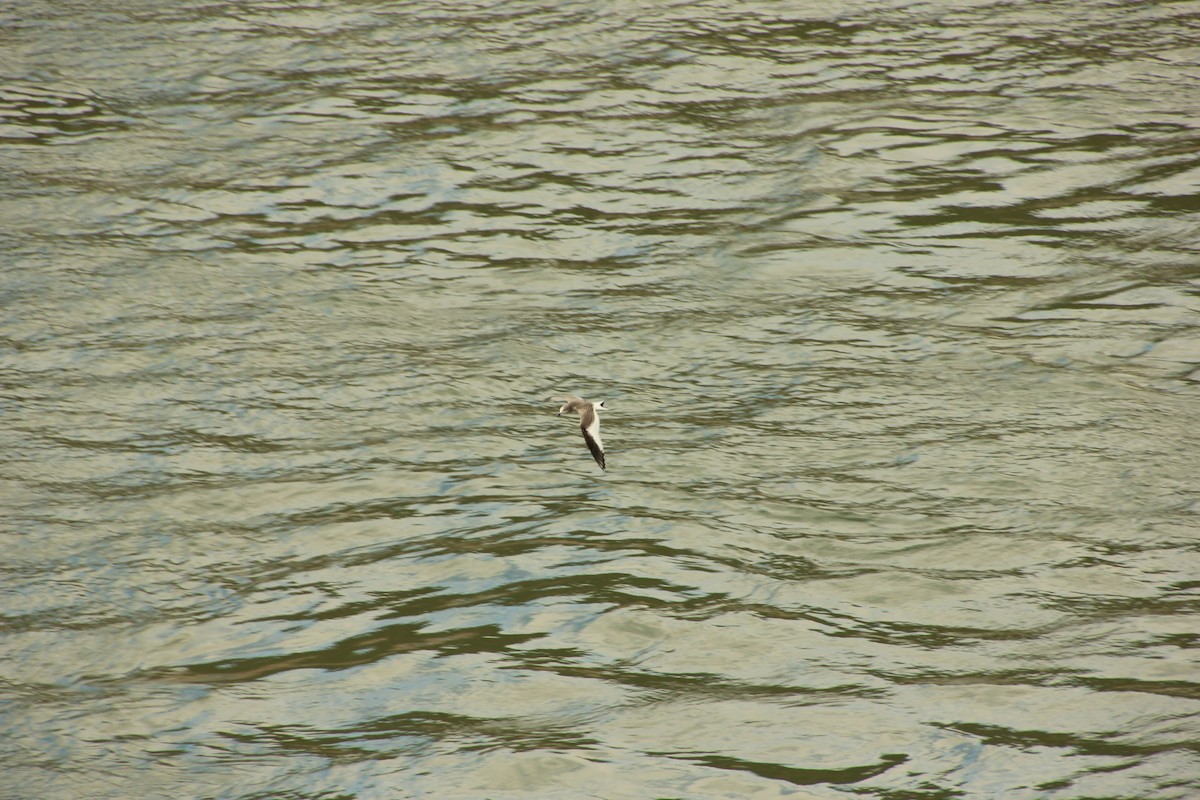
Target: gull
(589, 422)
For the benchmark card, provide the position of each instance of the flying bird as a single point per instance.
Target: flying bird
(589, 422)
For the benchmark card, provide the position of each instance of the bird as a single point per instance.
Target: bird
(589, 422)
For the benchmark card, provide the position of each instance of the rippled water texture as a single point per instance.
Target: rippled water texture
(895, 306)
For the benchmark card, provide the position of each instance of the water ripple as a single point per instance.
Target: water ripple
(893, 305)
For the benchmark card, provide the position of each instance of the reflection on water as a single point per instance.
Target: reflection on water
(895, 308)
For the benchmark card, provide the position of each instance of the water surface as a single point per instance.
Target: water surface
(895, 306)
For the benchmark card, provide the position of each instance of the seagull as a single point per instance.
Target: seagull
(589, 422)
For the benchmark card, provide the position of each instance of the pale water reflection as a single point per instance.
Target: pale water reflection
(895, 307)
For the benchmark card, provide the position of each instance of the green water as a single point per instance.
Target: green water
(894, 305)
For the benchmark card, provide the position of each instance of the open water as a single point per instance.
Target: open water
(895, 305)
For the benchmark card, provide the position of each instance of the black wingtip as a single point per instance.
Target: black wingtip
(597, 453)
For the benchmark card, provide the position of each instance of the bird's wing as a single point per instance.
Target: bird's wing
(589, 424)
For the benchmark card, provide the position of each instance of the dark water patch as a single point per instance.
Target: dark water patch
(1106, 743)
(415, 732)
(353, 652)
(1186, 689)
(797, 775)
(43, 115)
